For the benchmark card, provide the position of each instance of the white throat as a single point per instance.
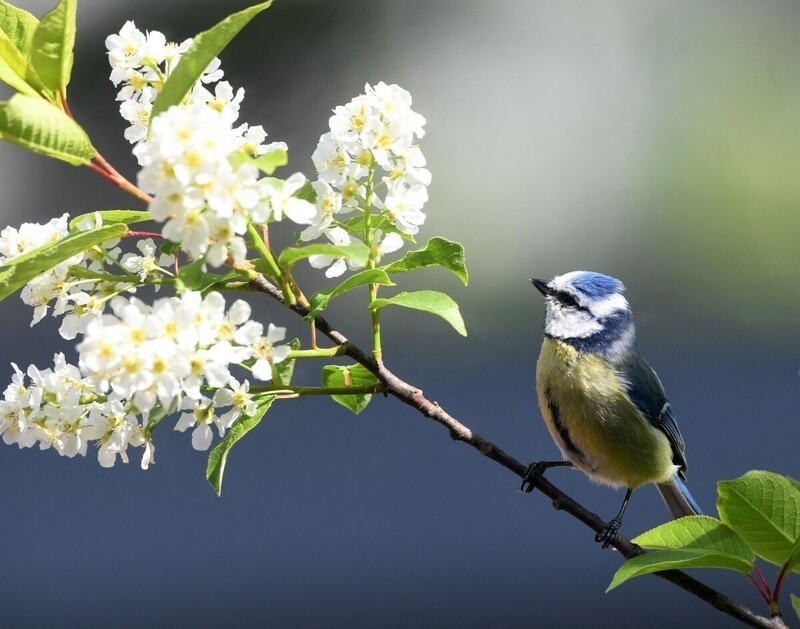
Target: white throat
(569, 323)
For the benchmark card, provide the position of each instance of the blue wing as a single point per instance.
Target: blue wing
(647, 393)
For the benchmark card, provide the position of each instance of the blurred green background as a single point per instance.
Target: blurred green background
(658, 142)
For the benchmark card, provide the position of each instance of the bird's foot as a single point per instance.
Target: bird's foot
(537, 468)
(609, 532)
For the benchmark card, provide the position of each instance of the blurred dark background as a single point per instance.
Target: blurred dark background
(657, 142)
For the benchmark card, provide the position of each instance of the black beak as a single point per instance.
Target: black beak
(541, 286)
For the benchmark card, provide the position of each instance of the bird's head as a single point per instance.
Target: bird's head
(587, 310)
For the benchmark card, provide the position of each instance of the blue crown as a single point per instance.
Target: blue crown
(596, 285)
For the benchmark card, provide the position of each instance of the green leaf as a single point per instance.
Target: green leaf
(306, 192)
(429, 301)
(19, 26)
(794, 557)
(219, 454)
(204, 48)
(21, 270)
(696, 532)
(438, 252)
(359, 253)
(796, 604)
(113, 217)
(194, 276)
(764, 509)
(283, 371)
(357, 224)
(43, 128)
(53, 42)
(268, 162)
(14, 66)
(76, 270)
(170, 248)
(357, 375)
(677, 560)
(320, 299)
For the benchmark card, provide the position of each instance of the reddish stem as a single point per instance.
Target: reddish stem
(64, 103)
(111, 173)
(760, 589)
(133, 234)
(102, 172)
(760, 574)
(781, 579)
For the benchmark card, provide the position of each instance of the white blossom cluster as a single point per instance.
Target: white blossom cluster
(142, 62)
(137, 366)
(374, 132)
(77, 298)
(49, 285)
(205, 201)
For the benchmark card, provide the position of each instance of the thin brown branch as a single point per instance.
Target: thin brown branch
(414, 397)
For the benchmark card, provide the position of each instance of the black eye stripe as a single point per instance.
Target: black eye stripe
(568, 300)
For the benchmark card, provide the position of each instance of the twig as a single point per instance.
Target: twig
(414, 397)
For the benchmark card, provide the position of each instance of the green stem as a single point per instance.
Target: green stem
(330, 352)
(373, 288)
(274, 269)
(301, 391)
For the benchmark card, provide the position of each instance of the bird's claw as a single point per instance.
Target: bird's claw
(535, 469)
(609, 532)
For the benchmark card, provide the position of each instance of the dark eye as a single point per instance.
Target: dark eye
(567, 299)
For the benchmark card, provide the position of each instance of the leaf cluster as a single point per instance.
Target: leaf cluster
(759, 517)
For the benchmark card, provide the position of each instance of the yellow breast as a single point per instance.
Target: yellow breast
(590, 416)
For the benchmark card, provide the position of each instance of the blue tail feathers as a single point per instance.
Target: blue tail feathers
(678, 499)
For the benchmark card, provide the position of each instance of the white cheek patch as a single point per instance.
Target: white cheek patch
(568, 323)
(607, 305)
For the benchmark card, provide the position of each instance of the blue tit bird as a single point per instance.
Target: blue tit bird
(603, 404)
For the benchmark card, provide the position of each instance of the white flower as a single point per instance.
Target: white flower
(146, 263)
(333, 163)
(394, 104)
(356, 122)
(404, 205)
(328, 205)
(409, 166)
(223, 101)
(213, 72)
(137, 113)
(253, 138)
(339, 237)
(154, 49)
(125, 50)
(30, 236)
(282, 201)
(192, 230)
(386, 244)
(119, 428)
(201, 415)
(149, 454)
(267, 353)
(16, 409)
(173, 53)
(85, 309)
(238, 397)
